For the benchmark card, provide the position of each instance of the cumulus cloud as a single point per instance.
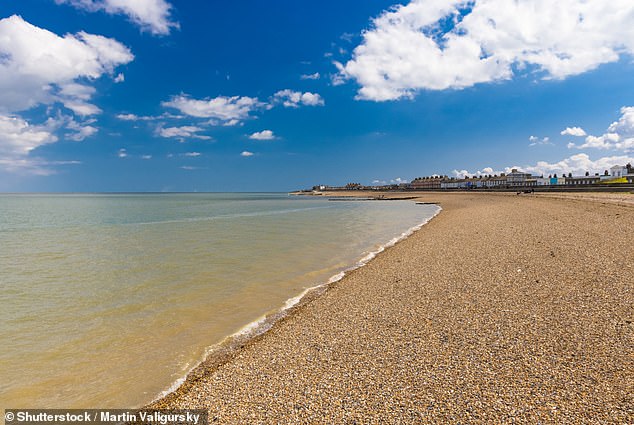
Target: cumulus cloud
(18, 138)
(122, 153)
(82, 108)
(577, 164)
(573, 131)
(233, 110)
(150, 15)
(486, 171)
(247, 153)
(262, 135)
(314, 76)
(453, 44)
(225, 109)
(39, 67)
(338, 78)
(80, 131)
(192, 154)
(186, 131)
(231, 123)
(293, 99)
(127, 117)
(120, 78)
(619, 135)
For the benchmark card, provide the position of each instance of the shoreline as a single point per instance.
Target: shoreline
(399, 327)
(221, 352)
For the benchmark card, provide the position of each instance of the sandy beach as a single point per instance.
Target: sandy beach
(502, 309)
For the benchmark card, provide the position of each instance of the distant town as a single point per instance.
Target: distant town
(619, 176)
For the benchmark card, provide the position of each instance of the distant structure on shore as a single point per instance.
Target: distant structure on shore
(617, 175)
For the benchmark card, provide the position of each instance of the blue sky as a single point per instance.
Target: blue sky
(165, 95)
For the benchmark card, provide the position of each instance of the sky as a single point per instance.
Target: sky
(167, 95)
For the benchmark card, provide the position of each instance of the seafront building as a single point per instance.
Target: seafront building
(516, 179)
(423, 183)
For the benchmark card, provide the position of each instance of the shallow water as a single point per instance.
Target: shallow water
(107, 300)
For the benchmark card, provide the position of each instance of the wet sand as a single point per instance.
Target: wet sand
(502, 309)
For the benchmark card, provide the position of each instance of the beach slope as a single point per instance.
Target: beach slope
(503, 308)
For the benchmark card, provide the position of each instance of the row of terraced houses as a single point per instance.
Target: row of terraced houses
(619, 174)
(516, 179)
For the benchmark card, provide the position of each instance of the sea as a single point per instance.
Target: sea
(109, 300)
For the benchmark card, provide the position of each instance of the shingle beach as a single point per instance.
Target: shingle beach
(502, 309)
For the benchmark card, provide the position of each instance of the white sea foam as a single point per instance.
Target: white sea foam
(336, 277)
(173, 387)
(292, 302)
(261, 325)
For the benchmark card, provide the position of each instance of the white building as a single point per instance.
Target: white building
(517, 178)
(618, 171)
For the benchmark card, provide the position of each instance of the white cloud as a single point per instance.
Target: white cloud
(312, 99)
(461, 174)
(231, 123)
(146, 157)
(231, 111)
(573, 131)
(81, 131)
(120, 78)
(134, 117)
(192, 154)
(182, 132)
(18, 138)
(128, 117)
(262, 135)
(619, 135)
(486, 171)
(76, 90)
(347, 36)
(82, 108)
(150, 15)
(293, 99)
(35, 166)
(122, 153)
(577, 164)
(337, 79)
(40, 67)
(225, 109)
(534, 141)
(399, 180)
(314, 76)
(74, 96)
(246, 153)
(442, 44)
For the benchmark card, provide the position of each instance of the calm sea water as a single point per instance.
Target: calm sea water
(107, 300)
